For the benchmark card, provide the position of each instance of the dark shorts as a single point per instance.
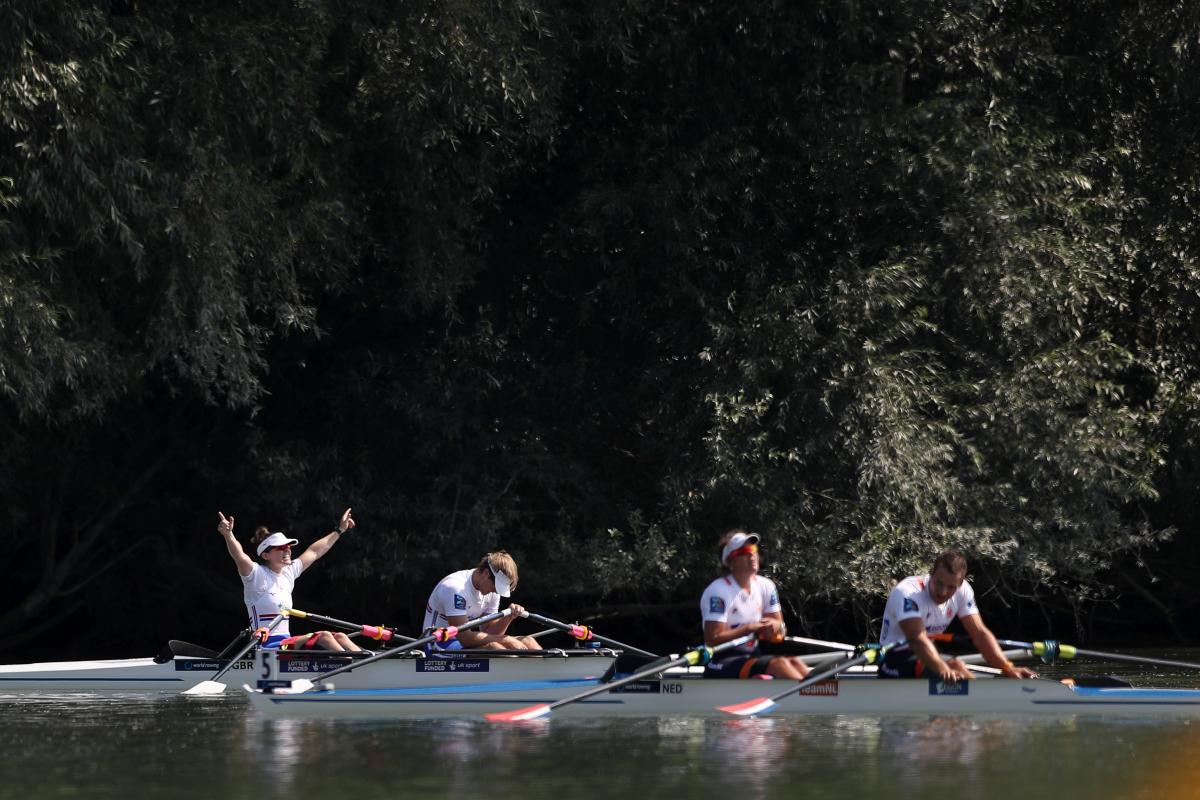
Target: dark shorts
(901, 664)
(739, 665)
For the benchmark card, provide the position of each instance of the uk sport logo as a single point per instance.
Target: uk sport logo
(910, 605)
(716, 605)
(460, 602)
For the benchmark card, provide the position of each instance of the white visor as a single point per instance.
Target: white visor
(503, 587)
(738, 541)
(275, 540)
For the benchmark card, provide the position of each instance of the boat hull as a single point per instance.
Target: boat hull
(418, 672)
(692, 695)
(121, 675)
(183, 672)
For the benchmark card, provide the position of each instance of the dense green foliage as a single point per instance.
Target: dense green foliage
(594, 282)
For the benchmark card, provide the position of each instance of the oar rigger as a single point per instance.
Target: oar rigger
(439, 635)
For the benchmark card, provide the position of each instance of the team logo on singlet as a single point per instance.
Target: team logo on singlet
(910, 605)
(460, 602)
(716, 605)
(774, 599)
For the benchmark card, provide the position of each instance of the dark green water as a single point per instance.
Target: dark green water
(171, 746)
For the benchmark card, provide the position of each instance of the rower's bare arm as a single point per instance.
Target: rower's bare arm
(985, 642)
(473, 637)
(225, 527)
(716, 633)
(323, 545)
(923, 647)
(500, 626)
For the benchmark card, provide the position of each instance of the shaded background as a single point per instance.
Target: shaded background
(592, 283)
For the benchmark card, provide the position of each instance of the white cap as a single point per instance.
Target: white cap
(503, 585)
(738, 541)
(275, 540)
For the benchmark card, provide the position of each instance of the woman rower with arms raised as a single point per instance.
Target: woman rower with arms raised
(739, 602)
(267, 587)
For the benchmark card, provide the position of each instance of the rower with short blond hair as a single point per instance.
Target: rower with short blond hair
(473, 593)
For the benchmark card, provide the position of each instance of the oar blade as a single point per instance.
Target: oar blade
(207, 687)
(300, 686)
(759, 705)
(520, 714)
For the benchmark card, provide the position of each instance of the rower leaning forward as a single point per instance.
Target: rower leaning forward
(923, 605)
(473, 593)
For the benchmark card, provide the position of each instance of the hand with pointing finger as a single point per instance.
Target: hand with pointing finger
(225, 524)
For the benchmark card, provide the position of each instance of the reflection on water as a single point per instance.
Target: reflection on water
(169, 746)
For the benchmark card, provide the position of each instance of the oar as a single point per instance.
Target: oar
(699, 655)
(1051, 649)
(377, 632)
(584, 633)
(213, 684)
(761, 705)
(301, 685)
(850, 648)
(972, 661)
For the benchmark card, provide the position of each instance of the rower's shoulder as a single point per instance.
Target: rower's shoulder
(910, 585)
(457, 579)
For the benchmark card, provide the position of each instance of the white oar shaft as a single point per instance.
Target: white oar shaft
(254, 640)
(849, 648)
(213, 685)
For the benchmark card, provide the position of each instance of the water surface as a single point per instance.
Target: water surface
(217, 747)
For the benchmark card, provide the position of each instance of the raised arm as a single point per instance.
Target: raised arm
(225, 527)
(322, 546)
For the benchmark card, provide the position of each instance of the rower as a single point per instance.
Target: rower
(267, 587)
(739, 602)
(923, 605)
(472, 593)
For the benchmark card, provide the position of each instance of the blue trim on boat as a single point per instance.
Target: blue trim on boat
(1168, 703)
(1100, 691)
(1112, 696)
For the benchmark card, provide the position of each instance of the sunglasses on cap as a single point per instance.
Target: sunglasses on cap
(744, 550)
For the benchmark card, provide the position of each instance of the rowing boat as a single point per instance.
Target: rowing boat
(182, 666)
(683, 692)
(178, 667)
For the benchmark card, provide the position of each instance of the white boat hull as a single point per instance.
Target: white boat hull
(418, 672)
(693, 695)
(183, 672)
(121, 675)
